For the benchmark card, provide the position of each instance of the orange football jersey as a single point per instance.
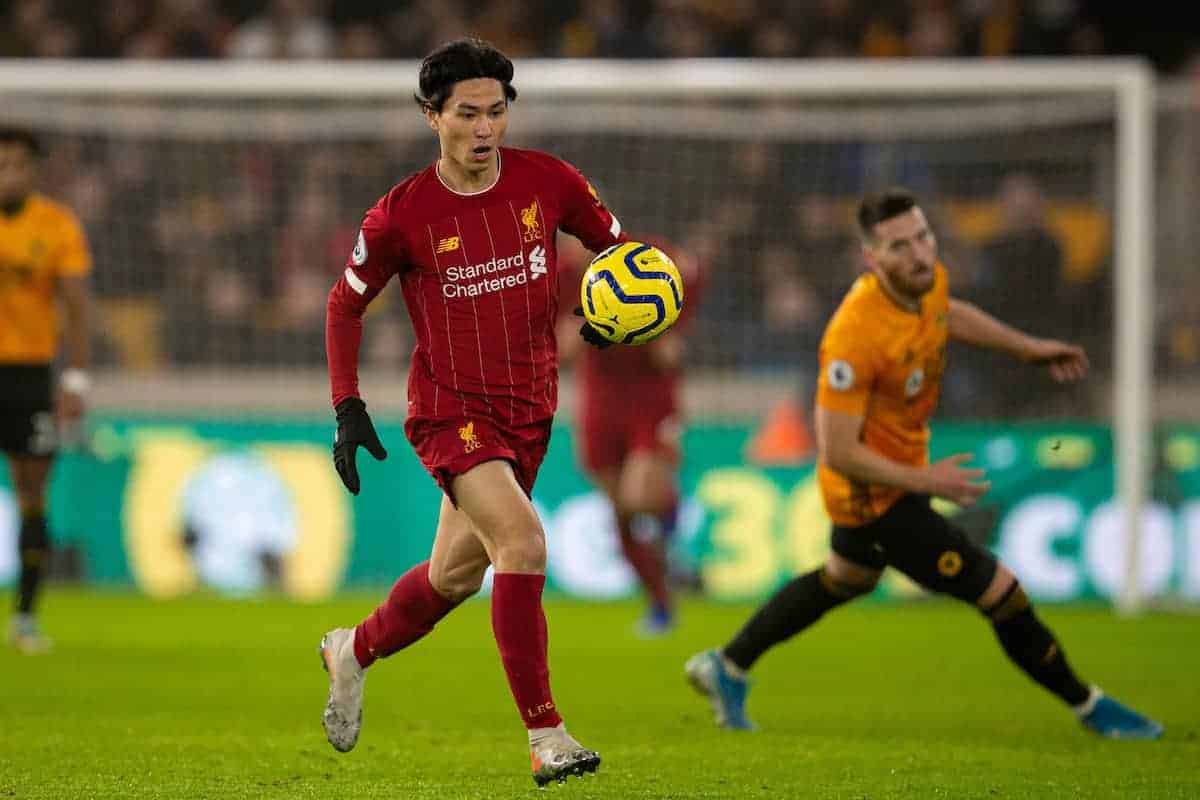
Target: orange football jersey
(884, 363)
(40, 244)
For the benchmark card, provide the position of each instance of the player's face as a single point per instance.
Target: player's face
(471, 124)
(17, 171)
(904, 253)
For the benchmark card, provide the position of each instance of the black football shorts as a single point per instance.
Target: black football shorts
(27, 425)
(924, 545)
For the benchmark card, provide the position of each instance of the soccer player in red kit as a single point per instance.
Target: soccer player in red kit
(471, 239)
(633, 458)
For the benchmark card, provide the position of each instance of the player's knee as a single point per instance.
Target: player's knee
(522, 553)
(34, 534)
(847, 583)
(646, 487)
(33, 541)
(31, 498)
(1007, 601)
(457, 583)
(457, 588)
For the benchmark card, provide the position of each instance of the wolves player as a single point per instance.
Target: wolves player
(633, 458)
(471, 239)
(882, 359)
(44, 259)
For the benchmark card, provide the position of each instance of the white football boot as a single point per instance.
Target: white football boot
(26, 636)
(342, 719)
(554, 755)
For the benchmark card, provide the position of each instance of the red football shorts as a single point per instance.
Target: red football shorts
(450, 446)
(608, 441)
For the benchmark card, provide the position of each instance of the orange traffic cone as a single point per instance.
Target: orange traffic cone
(783, 439)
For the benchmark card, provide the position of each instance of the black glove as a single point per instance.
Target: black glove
(354, 428)
(590, 334)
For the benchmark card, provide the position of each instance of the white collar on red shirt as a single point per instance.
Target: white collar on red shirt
(488, 188)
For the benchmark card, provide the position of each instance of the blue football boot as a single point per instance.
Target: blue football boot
(1113, 720)
(726, 692)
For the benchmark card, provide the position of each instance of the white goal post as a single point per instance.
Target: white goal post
(1128, 84)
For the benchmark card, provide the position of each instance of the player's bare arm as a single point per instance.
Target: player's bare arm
(970, 324)
(839, 443)
(76, 300)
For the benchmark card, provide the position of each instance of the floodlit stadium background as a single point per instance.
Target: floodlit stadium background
(220, 219)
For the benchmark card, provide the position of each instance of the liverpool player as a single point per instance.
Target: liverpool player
(471, 239)
(881, 361)
(44, 261)
(634, 458)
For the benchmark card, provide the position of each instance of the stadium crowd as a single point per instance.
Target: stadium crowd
(208, 254)
(577, 28)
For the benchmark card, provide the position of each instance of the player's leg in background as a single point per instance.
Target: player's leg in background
(30, 475)
(512, 534)
(417, 601)
(606, 455)
(648, 497)
(938, 555)
(721, 674)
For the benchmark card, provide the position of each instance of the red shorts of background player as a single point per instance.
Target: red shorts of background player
(449, 446)
(609, 440)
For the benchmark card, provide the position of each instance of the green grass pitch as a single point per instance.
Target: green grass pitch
(210, 698)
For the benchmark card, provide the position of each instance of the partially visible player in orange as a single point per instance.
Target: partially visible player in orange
(44, 262)
(882, 359)
(628, 428)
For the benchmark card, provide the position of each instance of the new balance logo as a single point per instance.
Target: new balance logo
(537, 262)
(447, 245)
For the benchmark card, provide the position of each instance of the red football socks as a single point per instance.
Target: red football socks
(410, 611)
(648, 561)
(520, 628)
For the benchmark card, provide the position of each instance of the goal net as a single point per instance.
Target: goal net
(222, 200)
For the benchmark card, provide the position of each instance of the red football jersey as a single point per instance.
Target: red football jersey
(609, 377)
(480, 278)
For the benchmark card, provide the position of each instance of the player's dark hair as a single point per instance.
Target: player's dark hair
(882, 206)
(461, 60)
(11, 134)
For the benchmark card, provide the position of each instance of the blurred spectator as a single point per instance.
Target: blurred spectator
(361, 40)
(602, 29)
(37, 29)
(1048, 27)
(512, 27)
(883, 33)
(422, 24)
(933, 30)
(775, 39)
(287, 29)
(678, 29)
(833, 29)
(310, 251)
(116, 24)
(178, 29)
(826, 248)
(1024, 260)
(791, 315)
(1021, 279)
